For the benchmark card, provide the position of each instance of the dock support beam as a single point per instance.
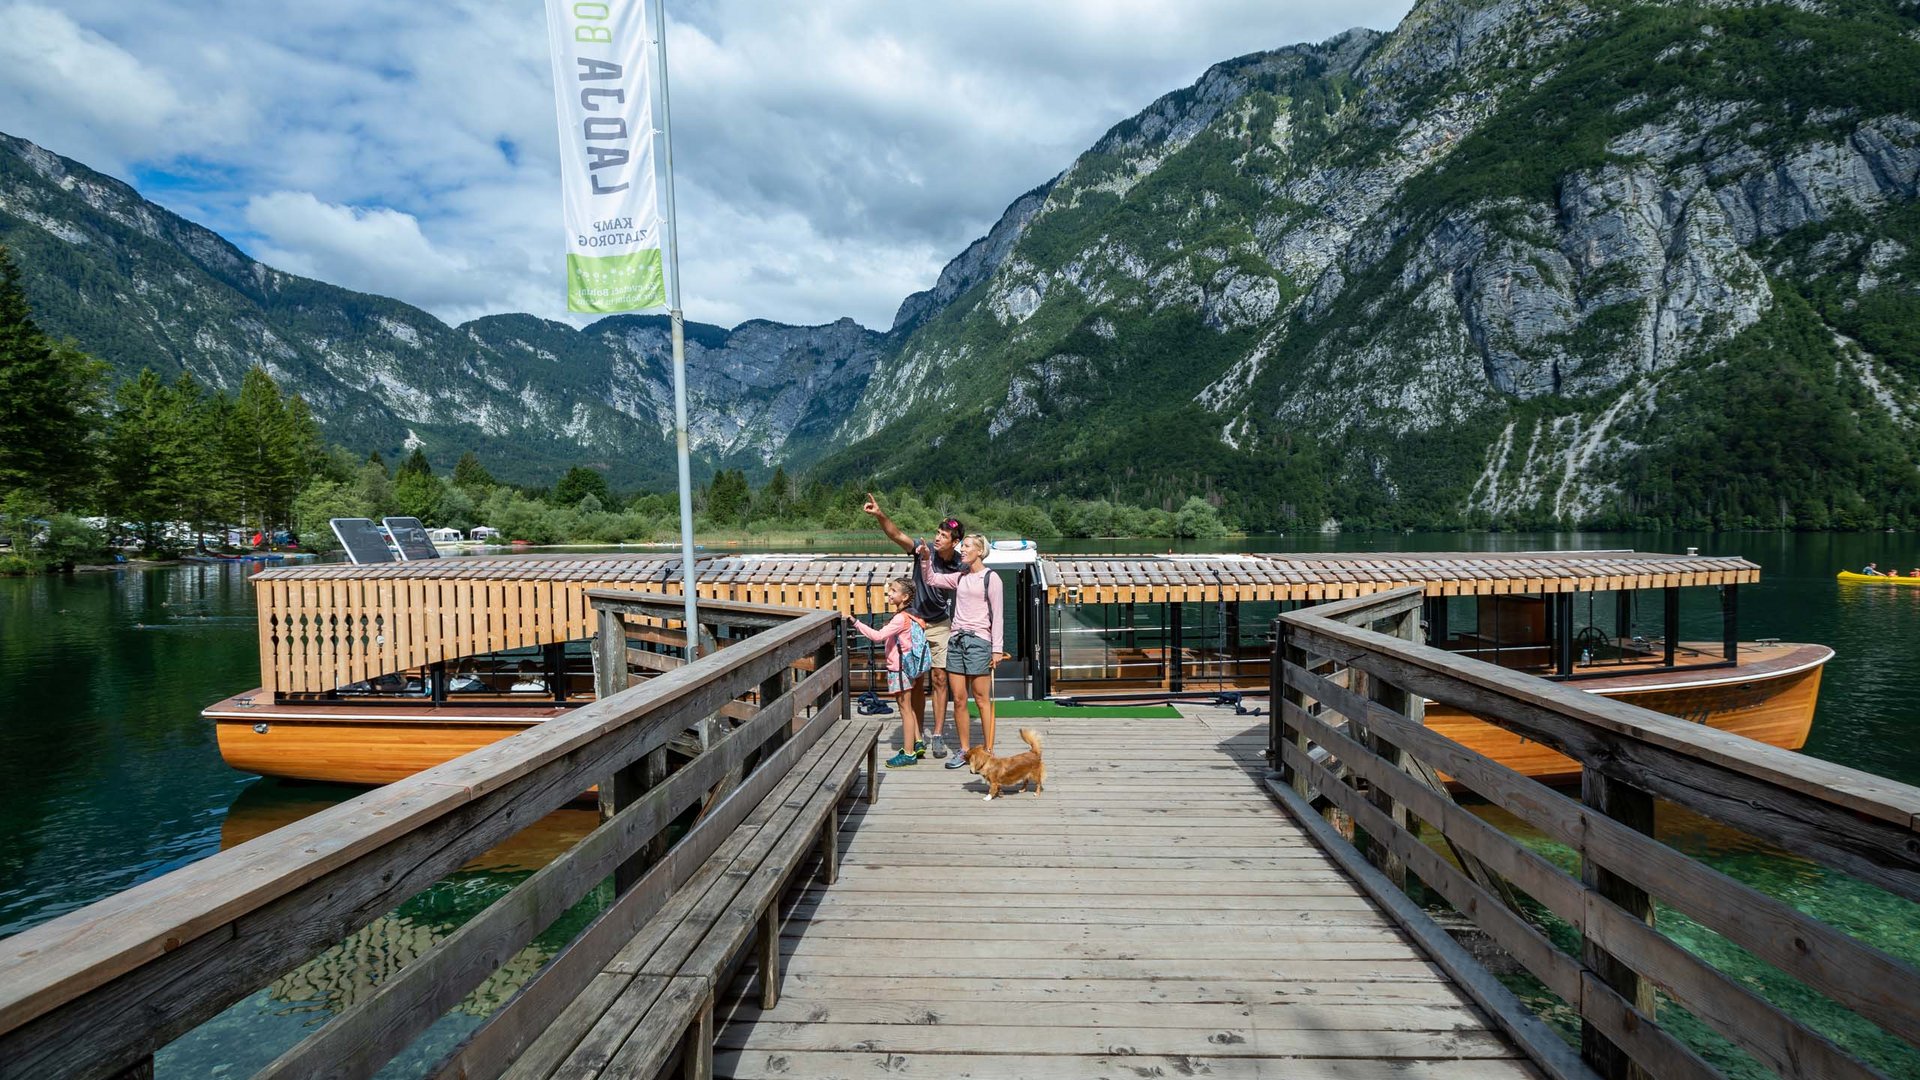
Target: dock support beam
(1436, 615)
(1730, 622)
(1176, 644)
(1041, 650)
(1671, 625)
(1563, 634)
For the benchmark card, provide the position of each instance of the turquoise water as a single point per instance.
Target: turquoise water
(112, 778)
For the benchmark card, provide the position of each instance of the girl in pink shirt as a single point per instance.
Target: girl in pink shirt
(974, 648)
(895, 635)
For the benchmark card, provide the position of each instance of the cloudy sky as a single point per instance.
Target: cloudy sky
(831, 156)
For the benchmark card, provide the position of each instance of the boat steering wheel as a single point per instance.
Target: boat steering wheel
(1592, 639)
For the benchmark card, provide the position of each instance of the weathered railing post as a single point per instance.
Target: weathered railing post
(1380, 848)
(1406, 625)
(1276, 689)
(1634, 808)
(1286, 652)
(829, 654)
(846, 672)
(618, 791)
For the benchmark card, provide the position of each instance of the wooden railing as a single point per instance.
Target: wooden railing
(1347, 735)
(96, 992)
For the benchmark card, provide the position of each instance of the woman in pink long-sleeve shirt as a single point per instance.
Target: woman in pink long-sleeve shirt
(975, 647)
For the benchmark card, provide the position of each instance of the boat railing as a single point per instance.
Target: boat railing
(1357, 765)
(97, 991)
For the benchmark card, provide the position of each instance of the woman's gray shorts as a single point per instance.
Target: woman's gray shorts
(968, 654)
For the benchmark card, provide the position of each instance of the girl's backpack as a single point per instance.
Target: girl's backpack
(917, 658)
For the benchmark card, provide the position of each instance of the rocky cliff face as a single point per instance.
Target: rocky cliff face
(1461, 270)
(138, 286)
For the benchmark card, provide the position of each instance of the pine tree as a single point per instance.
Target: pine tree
(147, 457)
(776, 499)
(727, 498)
(419, 495)
(471, 476)
(415, 465)
(272, 448)
(204, 495)
(50, 396)
(580, 482)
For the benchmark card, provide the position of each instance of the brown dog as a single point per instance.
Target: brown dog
(1010, 771)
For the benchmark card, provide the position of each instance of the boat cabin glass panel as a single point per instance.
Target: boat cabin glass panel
(1597, 634)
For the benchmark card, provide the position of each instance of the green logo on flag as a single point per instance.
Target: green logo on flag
(609, 283)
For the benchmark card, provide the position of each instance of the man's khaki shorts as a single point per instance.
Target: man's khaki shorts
(937, 634)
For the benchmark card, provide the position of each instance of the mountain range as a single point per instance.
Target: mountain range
(1515, 261)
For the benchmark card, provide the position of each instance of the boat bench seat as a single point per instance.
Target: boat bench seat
(655, 998)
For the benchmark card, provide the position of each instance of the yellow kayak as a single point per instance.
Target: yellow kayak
(1877, 579)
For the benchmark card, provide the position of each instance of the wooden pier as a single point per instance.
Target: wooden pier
(1213, 894)
(1151, 913)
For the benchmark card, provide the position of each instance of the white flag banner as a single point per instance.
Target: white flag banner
(603, 90)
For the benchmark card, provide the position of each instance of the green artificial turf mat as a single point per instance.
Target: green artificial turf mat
(1003, 710)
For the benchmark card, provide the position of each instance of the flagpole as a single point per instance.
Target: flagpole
(679, 342)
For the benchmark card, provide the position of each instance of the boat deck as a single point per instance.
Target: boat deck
(1152, 913)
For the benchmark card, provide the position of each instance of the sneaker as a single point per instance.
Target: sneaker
(939, 746)
(920, 749)
(957, 761)
(901, 760)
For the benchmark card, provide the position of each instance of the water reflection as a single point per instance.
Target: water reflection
(254, 1031)
(272, 804)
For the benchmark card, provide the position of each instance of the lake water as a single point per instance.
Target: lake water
(111, 777)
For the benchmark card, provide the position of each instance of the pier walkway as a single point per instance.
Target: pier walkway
(1152, 913)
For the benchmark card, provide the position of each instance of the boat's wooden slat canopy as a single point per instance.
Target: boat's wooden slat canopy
(326, 626)
(1294, 577)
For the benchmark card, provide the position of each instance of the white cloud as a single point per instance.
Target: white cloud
(64, 81)
(832, 155)
(384, 248)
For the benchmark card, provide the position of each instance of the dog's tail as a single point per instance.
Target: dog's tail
(1032, 737)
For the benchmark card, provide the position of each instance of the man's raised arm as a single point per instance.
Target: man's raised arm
(872, 508)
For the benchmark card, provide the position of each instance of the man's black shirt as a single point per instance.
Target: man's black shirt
(929, 603)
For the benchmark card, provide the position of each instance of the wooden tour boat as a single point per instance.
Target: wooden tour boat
(375, 672)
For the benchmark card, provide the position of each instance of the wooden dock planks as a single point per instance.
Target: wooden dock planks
(1151, 913)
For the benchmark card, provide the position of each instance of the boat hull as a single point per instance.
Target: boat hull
(1772, 704)
(348, 745)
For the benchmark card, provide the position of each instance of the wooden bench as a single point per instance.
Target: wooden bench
(654, 999)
